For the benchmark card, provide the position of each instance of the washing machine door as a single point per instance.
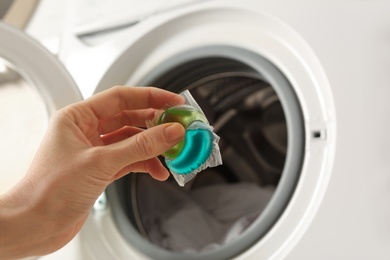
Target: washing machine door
(33, 84)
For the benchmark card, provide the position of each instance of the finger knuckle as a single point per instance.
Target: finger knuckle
(95, 156)
(145, 145)
(117, 88)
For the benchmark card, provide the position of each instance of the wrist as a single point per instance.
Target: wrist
(18, 226)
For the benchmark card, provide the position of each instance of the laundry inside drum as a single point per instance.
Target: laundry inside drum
(220, 203)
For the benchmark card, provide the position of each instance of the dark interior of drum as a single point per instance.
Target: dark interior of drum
(246, 113)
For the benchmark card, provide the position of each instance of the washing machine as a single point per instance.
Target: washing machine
(297, 91)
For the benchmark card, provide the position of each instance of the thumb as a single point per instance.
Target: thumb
(146, 144)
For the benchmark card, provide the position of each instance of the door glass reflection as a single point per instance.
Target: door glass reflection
(23, 120)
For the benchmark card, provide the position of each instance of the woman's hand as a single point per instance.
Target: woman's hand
(87, 146)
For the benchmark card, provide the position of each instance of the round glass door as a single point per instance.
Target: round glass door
(33, 84)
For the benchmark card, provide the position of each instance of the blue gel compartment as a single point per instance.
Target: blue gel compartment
(198, 145)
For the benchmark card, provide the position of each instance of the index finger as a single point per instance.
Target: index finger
(119, 98)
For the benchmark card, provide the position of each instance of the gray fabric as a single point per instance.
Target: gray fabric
(199, 219)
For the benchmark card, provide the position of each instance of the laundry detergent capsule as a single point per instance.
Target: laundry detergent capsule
(185, 115)
(199, 147)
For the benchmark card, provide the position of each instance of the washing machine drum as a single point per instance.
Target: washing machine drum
(224, 204)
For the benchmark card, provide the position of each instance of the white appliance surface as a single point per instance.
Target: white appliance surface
(339, 209)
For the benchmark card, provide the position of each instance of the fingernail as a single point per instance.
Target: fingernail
(173, 133)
